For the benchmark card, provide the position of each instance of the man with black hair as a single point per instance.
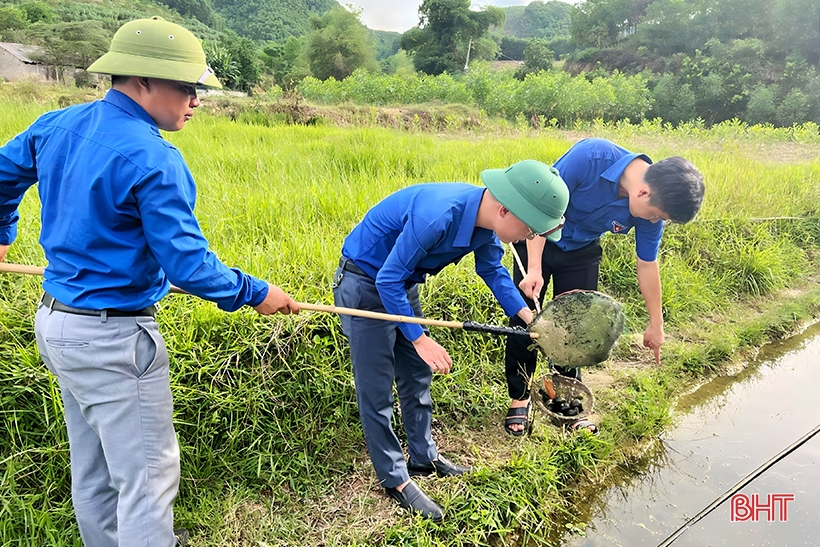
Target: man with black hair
(611, 190)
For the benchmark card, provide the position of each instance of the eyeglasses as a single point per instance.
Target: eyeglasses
(560, 225)
(187, 89)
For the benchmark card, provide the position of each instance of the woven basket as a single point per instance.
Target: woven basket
(568, 388)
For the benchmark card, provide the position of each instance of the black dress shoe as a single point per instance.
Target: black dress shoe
(412, 497)
(441, 467)
(182, 536)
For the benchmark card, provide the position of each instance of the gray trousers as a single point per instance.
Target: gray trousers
(115, 385)
(381, 355)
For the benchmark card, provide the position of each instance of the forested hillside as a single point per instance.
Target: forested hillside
(756, 60)
(550, 21)
(538, 20)
(701, 60)
(77, 32)
(271, 19)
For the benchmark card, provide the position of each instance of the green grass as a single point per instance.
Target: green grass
(265, 408)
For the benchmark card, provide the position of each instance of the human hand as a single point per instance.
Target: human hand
(3, 250)
(277, 301)
(526, 315)
(653, 338)
(433, 354)
(532, 284)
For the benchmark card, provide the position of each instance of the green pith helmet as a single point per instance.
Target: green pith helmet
(533, 192)
(155, 48)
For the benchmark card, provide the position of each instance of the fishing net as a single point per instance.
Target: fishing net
(578, 328)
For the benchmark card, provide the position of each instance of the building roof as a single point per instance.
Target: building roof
(22, 52)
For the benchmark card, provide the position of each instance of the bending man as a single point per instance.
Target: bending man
(411, 234)
(611, 190)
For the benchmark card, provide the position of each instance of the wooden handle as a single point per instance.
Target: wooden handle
(524, 274)
(37, 270)
(383, 316)
(19, 268)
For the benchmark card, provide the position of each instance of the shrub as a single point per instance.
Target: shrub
(761, 108)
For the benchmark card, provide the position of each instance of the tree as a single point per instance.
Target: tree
(271, 19)
(513, 48)
(399, 63)
(540, 20)
(761, 107)
(38, 12)
(667, 28)
(802, 35)
(386, 43)
(272, 59)
(246, 54)
(673, 26)
(674, 101)
(286, 62)
(794, 109)
(439, 44)
(223, 63)
(602, 23)
(537, 57)
(12, 18)
(201, 9)
(77, 43)
(338, 45)
(723, 76)
(235, 60)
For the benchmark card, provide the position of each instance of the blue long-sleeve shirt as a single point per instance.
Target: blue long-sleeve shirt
(592, 170)
(117, 210)
(419, 230)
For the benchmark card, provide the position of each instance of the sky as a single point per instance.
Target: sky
(402, 15)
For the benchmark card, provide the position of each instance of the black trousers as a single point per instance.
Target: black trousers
(568, 270)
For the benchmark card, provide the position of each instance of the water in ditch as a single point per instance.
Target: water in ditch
(725, 431)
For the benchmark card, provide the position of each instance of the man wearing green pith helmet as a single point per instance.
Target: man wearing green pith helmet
(118, 227)
(411, 234)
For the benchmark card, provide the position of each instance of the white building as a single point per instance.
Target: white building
(18, 62)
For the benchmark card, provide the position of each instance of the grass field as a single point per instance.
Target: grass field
(272, 452)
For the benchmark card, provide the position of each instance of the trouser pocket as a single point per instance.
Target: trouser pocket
(149, 349)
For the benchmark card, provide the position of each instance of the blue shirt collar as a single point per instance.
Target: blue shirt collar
(130, 106)
(613, 174)
(467, 226)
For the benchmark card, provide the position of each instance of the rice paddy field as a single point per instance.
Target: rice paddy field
(272, 451)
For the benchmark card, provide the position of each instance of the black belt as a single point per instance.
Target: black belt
(49, 302)
(350, 266)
